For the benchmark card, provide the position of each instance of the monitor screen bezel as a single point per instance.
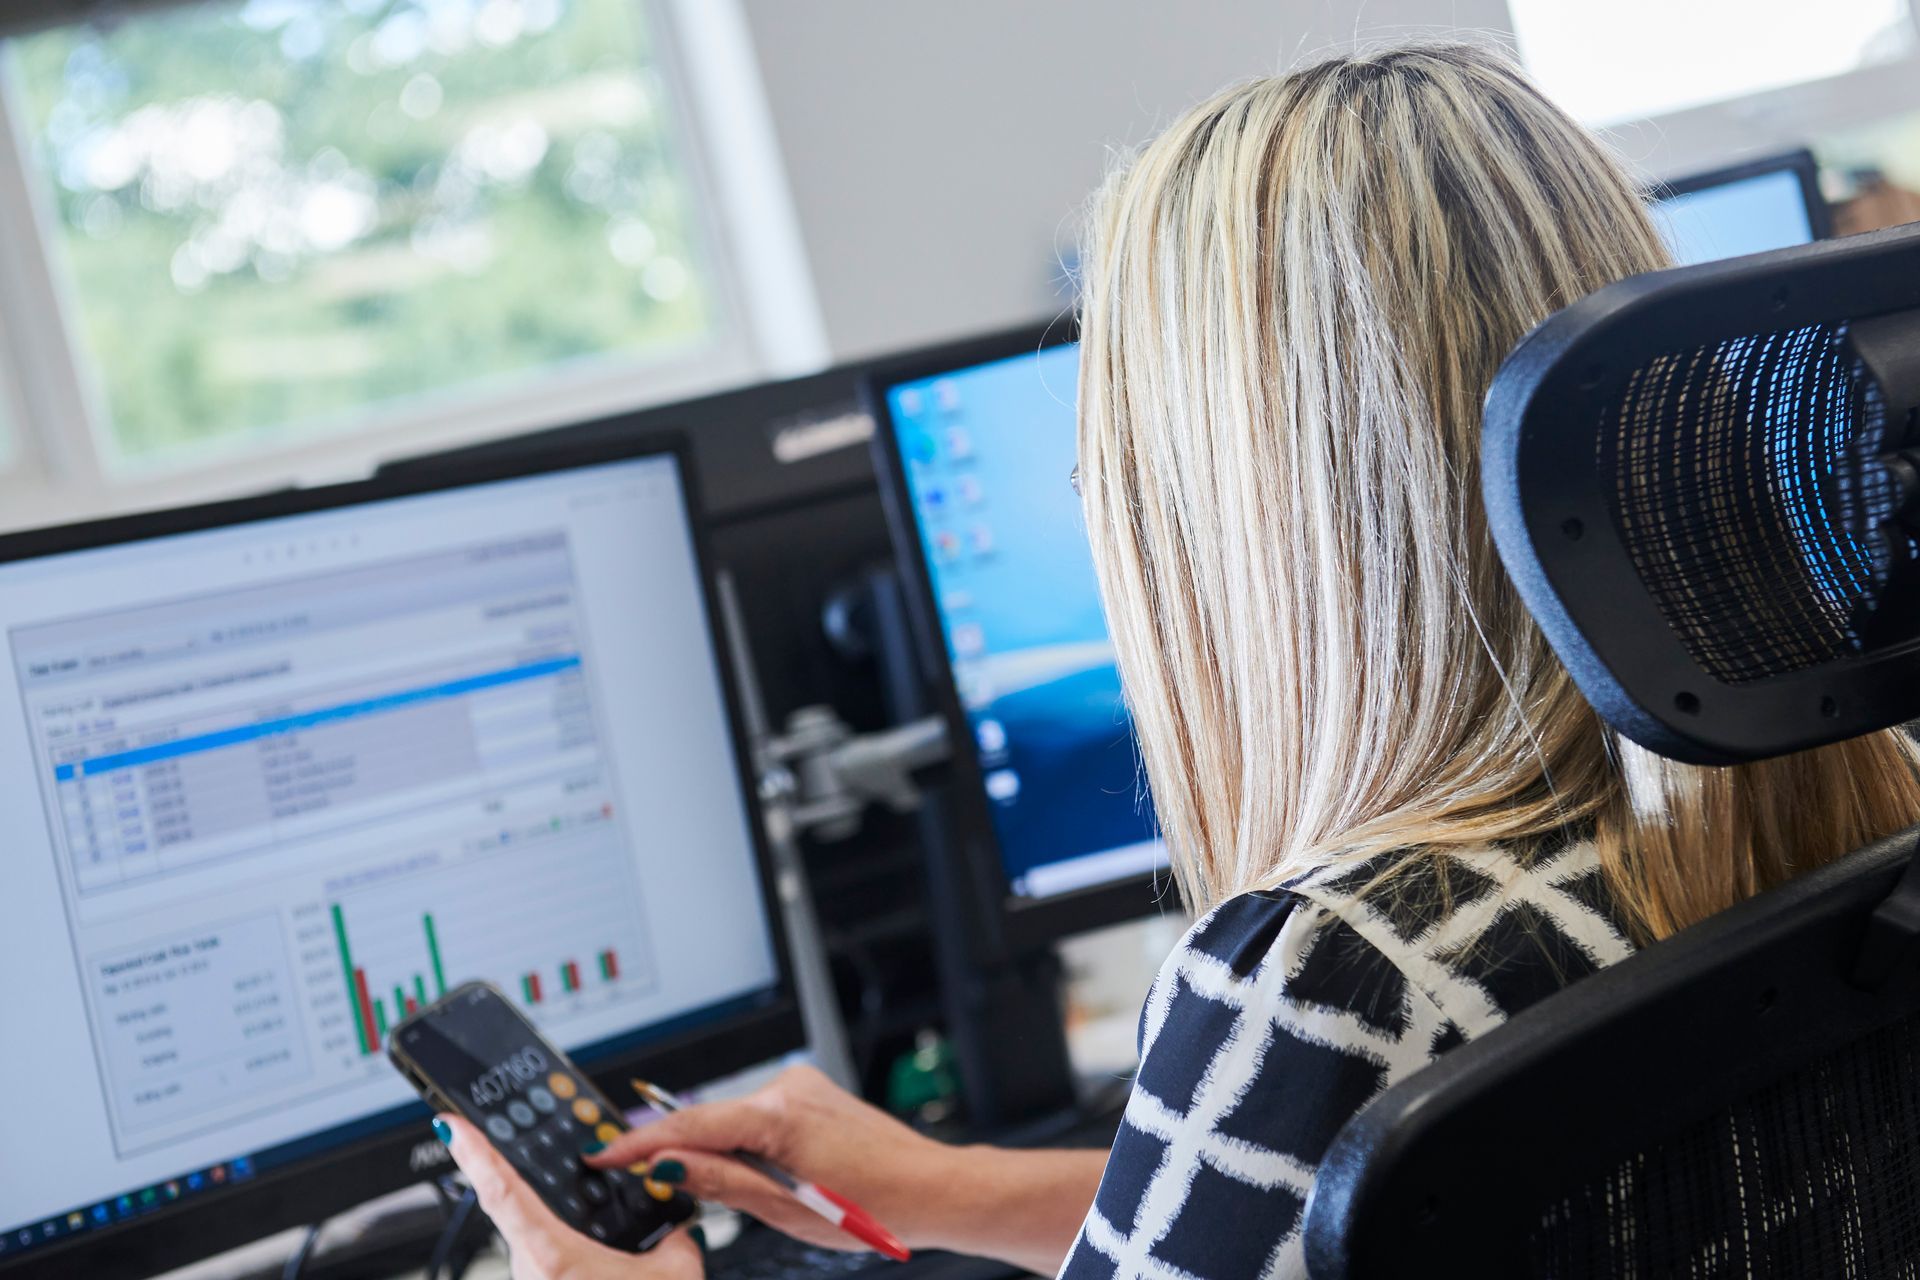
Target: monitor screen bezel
(405, 1152)
(1029, 922)
(1800, 163)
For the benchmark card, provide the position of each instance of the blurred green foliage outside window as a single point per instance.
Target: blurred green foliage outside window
(271, 216)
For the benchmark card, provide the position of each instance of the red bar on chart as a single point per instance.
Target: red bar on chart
(367, 1023)
(609, 965)
(530, 986)
(570, 976)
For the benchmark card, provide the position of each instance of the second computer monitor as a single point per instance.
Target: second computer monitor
(976, 446)
(1764, 204)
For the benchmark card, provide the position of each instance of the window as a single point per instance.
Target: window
(1636, 59)
(12, 415)
(272, 218)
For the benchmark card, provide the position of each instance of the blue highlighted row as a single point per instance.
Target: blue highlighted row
(309, 719)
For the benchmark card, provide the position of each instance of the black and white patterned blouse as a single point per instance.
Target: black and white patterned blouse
(1280, 1014)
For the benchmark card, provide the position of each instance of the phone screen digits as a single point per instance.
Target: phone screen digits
(473, 1053)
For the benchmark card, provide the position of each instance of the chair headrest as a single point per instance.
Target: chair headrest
(1706, 484)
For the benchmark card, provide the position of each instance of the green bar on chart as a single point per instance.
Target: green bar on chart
(346, 969)
(433, 950)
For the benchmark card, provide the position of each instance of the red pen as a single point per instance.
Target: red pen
(835, 1208)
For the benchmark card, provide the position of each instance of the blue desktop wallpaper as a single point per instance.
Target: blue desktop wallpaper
(988, 452)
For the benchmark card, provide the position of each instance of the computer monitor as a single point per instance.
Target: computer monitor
(975, 446)
(765, 447)
(283, 769)
(1749, 208)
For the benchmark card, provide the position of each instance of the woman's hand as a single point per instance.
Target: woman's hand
(543, 1247)
(811, 1127)
(1020, 1206)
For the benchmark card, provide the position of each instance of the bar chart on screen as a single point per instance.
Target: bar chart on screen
(547, 912)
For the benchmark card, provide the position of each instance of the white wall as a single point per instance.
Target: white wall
(940, 150)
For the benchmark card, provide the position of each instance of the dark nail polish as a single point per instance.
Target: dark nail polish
(593, 1148)
(699, 1235)
(671, 1172)
(443, 1131)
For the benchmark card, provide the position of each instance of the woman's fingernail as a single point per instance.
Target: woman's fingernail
(593, 1148)
(442, 1130)
(671, 1172)
(699, 1235)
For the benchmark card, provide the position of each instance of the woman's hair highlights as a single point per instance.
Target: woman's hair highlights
(1296, 298)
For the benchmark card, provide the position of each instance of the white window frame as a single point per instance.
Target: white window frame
(16, 445)
(752, 257)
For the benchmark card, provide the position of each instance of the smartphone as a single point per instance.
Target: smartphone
(473, 1053)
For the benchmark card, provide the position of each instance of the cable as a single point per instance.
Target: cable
(450, 1236)
(448, 1188)
(297, 1260)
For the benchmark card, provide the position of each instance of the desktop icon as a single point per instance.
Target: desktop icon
(959, 444)
(992, 737)
(912, 404)
(124, 1205)
(969, 639)
(980, 539)
(101, 1213)
(946, 544)
(976, 689)
(946, 394)
(76, 1220)
(970, 490)
(934, 499)
(1003, 786)
(195, 1181)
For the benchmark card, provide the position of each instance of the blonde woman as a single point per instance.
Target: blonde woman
(1401, 820)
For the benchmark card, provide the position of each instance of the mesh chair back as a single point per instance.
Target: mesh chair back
(1706, 483)
(1729, 1103)
(1814, 1174)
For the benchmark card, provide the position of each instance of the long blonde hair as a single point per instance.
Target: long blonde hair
(1295, 299)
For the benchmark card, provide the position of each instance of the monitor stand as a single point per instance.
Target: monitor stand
(1003, 1004)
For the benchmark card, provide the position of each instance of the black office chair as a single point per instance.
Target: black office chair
(1706, 483)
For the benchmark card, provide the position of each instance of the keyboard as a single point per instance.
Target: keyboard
(761, 1253)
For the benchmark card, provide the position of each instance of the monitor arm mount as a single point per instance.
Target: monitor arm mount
(820, 776)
